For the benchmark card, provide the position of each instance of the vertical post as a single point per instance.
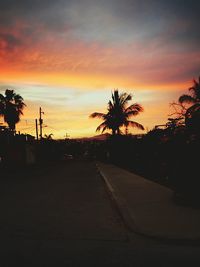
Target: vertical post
(41, 122)
(36, 128)
(126, 130)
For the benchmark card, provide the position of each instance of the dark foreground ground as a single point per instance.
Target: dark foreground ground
(63, 215)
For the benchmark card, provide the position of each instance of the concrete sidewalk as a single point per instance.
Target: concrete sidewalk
(148, 208)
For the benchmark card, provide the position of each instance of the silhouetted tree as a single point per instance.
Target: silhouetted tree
(192, 113)
(118, 114)
(173, 125)
(11, 107)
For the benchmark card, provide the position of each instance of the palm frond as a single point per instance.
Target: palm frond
(134, 109)
(102, 127)
(19, 101)
(135, 125)
(124, 98)
(186, 99)
(97, 115)
(10, 94)
(110, 105)
(115, 97)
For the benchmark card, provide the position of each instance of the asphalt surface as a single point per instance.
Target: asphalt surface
(63, 215)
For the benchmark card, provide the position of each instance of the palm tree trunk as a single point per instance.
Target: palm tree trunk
(11, 126)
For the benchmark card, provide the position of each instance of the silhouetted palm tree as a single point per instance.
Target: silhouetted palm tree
(194, 100)
(11, 106)
(118, 114)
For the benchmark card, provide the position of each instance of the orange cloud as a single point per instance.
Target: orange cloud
(62, 59)
(36, 55)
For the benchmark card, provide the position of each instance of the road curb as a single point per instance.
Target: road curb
(119, 204)
(130, 221)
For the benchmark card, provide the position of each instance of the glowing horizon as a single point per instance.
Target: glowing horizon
(69, 63)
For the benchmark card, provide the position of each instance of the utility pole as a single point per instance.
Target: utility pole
(36, 128)
(40, 122)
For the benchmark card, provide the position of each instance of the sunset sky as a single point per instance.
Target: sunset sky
(68, 55)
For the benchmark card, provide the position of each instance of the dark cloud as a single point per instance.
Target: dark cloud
(112, 18)
(183, 22)
(32, 12)
(173, 20)
(172, 26)
(141, 11)
(8, 42)
(22, 7)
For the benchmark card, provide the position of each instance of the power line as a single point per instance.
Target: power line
(51, 127)
(23, 129)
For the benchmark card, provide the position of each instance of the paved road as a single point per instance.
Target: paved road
(62, 215)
